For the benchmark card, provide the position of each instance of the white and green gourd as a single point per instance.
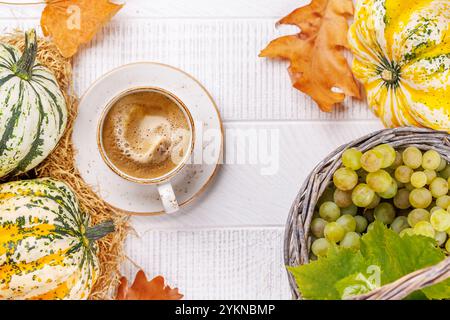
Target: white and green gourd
(33, 111)
(402, 57)
(48, 247)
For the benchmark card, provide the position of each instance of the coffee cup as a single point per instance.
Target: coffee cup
(146, 135)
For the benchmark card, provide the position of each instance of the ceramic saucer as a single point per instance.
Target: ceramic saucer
(191, 181)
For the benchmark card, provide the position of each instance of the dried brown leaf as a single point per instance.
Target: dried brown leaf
(318, 65)
(142, 289)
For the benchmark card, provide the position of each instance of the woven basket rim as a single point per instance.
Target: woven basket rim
(297, 240)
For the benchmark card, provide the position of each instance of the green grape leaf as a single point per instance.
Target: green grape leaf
(359, 283)
(440, 291)
(317, 279)
(384, 257)
(397, 256)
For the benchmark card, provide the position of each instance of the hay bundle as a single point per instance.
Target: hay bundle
(60, 165)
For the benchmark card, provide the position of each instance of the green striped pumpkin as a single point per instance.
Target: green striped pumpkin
(47, 246)
(33, 112)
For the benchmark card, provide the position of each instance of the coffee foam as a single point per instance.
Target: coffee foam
(148, 131)
(143, 138)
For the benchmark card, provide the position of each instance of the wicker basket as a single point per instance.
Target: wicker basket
(298, 239)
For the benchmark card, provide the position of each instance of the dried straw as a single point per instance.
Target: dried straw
(60, 165)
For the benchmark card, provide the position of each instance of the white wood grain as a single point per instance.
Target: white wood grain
(222, 54)
(227, 244)
(179, 9)
(212, 8)
(237, 263)
(241, 196)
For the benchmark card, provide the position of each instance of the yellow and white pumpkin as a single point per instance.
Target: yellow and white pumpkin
(47, 246)
(402, 56)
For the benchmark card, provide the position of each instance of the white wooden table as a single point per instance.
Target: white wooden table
(227, 244)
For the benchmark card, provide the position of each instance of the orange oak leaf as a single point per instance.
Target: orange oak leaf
(318, 65)
(142, 289)
(71, 23)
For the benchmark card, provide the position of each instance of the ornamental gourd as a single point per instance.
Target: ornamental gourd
(402, 56)
(47, 246)
(33, 112)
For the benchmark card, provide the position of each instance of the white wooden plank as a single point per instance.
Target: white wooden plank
(179, 8)
(212, 8)
(240, 263)
(241, 195)
(192, 249)
(17, 12)
(222, 54)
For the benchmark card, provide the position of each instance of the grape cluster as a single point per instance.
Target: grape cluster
(407, 190)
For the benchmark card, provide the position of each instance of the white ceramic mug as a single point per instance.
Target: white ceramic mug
(165, 188)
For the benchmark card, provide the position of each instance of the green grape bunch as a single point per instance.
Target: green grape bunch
(406, 189)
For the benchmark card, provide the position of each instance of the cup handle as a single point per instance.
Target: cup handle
(168, 198)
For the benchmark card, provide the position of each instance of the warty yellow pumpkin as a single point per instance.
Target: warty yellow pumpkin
(48, 247)
(402, 56)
